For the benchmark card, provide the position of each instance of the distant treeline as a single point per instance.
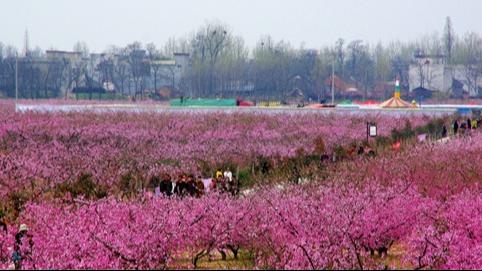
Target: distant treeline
(221, 65)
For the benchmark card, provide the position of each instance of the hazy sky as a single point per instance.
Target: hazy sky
(60, 23)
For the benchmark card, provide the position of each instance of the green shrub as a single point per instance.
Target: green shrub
(405, 133)
(319, 146)
(264, 165)
(382, 141)
(15, 202)
(244, 177)
(82, 186)
(340, 152)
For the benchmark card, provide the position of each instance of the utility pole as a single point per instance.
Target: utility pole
(333, 81)
(16, 83)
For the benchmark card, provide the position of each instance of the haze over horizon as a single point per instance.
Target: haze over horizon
(60, 24)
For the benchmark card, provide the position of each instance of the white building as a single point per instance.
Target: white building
(444, 77)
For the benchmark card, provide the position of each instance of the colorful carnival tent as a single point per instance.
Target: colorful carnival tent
(396, 101)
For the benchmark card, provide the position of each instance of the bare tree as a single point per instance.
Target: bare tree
(471, 57)
(340, 56)
(138, 66)
(81, 47)
(208, 43)
(154, 56)
(29, 78)
(120, 74)
(74, 74)
(106, 71)
(54, 78)
(449, 37)
(421, 74)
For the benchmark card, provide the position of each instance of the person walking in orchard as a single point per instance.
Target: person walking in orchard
(3, 224)
(228, 175)
(19, 252)
(455, 126)
(474, 124)
(219, 173)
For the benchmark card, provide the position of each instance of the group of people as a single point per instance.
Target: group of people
(462, 126)
(361, 150)
(188, 185)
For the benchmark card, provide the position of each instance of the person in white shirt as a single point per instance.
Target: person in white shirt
(228, 175)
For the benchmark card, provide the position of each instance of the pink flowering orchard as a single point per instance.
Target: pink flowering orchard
(415, 208)
(49, 149)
